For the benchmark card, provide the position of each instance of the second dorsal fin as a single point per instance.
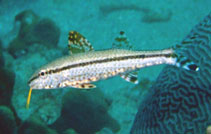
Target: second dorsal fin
(122, 42)
(77, 43)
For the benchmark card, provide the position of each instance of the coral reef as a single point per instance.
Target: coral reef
(86, 112)
(179, 101)
(33, 29)
(34, 125)
(7, 121)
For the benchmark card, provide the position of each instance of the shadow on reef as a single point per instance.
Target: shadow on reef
(148, 15)
(33, 29)
(7, 80)
(179, 101)
(8, 118)
(86, 112)
(7, 121)
(1, 55)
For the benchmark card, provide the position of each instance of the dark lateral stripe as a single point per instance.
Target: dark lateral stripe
(104, 61)
(108, 60)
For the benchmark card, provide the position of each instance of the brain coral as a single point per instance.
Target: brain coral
(180, 100)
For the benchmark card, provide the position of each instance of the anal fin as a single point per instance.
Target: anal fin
(130, 77)
(84, 86)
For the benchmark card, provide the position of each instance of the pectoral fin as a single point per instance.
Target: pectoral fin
(130, 77)
(85, 86)
(77, 43)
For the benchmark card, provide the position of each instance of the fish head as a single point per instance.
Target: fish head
(42, 79)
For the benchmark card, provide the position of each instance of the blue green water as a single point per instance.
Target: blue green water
(33, 33)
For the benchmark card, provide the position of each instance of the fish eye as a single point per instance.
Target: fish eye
(42, 73)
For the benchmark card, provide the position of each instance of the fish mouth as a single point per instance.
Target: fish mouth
(31, 79)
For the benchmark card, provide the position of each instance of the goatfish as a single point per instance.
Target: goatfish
(84, 65)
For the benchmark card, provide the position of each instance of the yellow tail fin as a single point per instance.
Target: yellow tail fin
(29, 98)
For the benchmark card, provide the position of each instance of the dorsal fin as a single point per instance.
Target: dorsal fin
(77, 43)
(122, 42)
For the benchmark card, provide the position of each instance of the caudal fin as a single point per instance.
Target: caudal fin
(184, 62)
(199, 35)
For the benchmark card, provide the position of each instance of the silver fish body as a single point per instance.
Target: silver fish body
(88, 67)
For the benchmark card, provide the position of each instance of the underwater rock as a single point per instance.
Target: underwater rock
(46, 32)
(33, 30)
(105, 131)
(7, 80)
(34, 125)
(7, 121)
(26, 18)
(86, 112)
(69, 131)
(179, 101)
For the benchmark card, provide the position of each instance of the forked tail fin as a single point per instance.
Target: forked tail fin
(199, 35)
(183, 61)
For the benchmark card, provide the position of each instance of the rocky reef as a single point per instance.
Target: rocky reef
(33, 30)
(7, 80)
(179, 101)
(86, 112)
(36, 36)
(7, 121)
(34, 125)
